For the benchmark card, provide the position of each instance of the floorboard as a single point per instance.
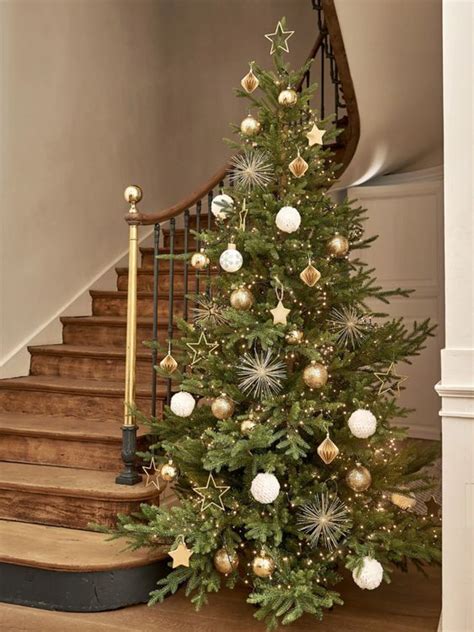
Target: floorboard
(411, 603)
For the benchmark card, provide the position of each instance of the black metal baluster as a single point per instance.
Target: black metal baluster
(171, 299)
(323, 60)
(185, 277)
(198, 242)
(154, 352)
(210, 195)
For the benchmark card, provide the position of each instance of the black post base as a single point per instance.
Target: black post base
(129, 475)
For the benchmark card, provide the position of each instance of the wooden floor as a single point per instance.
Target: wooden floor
(411, 603)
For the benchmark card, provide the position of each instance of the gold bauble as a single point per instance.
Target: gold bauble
(241, 299)
(359, 478)
(222, 407)
(287, 97)
(169, 364)
(199, 260)
(315, 375)
(250, 126)
(338, 246)
(225, 561)
(250, 82)
(169, 472)
(294, 337)
(263, 565)
(404, 501)
(328, 450)
(298, 166)
(310, 275)
(247, 426)
(133, 194)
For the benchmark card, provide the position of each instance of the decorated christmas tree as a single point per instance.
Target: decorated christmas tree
(278, 437)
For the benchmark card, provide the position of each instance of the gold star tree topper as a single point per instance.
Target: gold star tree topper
(390, 381)
(199, 353)
(181, 554)
(315, 135)
(208, 494)
(279, 38)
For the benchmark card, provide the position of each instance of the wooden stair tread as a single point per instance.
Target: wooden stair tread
(68, 481)
(61, 427)
(140, 294)
(89, 351)
(58, 548)
(56, 383)
(112, 321)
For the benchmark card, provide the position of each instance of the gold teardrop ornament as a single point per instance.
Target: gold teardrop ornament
(169, 364)
(298, 166)
(250, 82)
(328, 450)
(310, 275)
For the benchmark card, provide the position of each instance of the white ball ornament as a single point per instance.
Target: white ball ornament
(362, 423)
(222, 205)
(265, 488)
(231, 260)
(182, 404)
(288, 219)
(370, 575)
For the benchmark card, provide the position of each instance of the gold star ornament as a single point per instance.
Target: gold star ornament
(279, 39)
(315, 135)
(152, 473)
(211, 494)
(200, 353)
(390, 381)
(181, 554)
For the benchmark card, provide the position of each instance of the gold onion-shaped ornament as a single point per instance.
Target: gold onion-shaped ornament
(328, 450)
(310, 275)
(250, 126)
(168, 363)
(298, 166)
(250, 82)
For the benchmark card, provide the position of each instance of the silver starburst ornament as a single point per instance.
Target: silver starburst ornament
(261, 374)
(349, 325)
(208, 313)
(251, 169)
(325, 519)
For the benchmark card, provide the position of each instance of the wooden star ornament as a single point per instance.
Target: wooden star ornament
(208, 493)
(315, 135)
(280, 314)
(181, 554)
(390, 381)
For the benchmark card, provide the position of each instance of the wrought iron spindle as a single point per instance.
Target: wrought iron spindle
(210, 195)
(321, 90)
(198, 242)
(170, 299)
(185, 273)
(154, 352)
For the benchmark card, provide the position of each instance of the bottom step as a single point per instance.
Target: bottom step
(72, 570)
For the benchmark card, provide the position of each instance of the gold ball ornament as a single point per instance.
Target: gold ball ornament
(169, 472)
(242, 299)
(225, 561)
(222, 407)
(359, 478)
(315, 375)
(294, 337)
(263, 565)
(247, 426)
(338, 246)
(287, 97)
(133, 194)
(169, 364)
(199, 261)
(250, 126)
(403, 501)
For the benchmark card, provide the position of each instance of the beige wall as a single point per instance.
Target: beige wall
(96, 94)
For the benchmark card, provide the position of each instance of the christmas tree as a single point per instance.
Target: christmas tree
(287, 470)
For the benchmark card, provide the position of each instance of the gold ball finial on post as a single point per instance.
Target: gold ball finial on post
(133, 194)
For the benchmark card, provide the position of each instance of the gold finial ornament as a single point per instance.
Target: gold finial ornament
(315, 375)
(328, 450)
(169, 364)
(225, 561)
(133, 194)
(310, 275)
(288, 97)
(250, 82)
(298, 166)
(338, 246)
(250, 126)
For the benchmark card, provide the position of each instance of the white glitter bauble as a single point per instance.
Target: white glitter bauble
(220, 204)
(231, 260)
(265, 488)
(370, 575)
(182, 404)
(288, 219)
(362, 423)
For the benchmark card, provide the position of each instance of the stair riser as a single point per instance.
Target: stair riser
(145, 282)
(93, 334)
(108, 306)
(71, 404)
(61, 511)
(88, 367)
(87, 455)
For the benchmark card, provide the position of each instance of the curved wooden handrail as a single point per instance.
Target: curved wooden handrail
(351, 132)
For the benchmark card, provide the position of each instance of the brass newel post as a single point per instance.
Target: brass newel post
(129, 476)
